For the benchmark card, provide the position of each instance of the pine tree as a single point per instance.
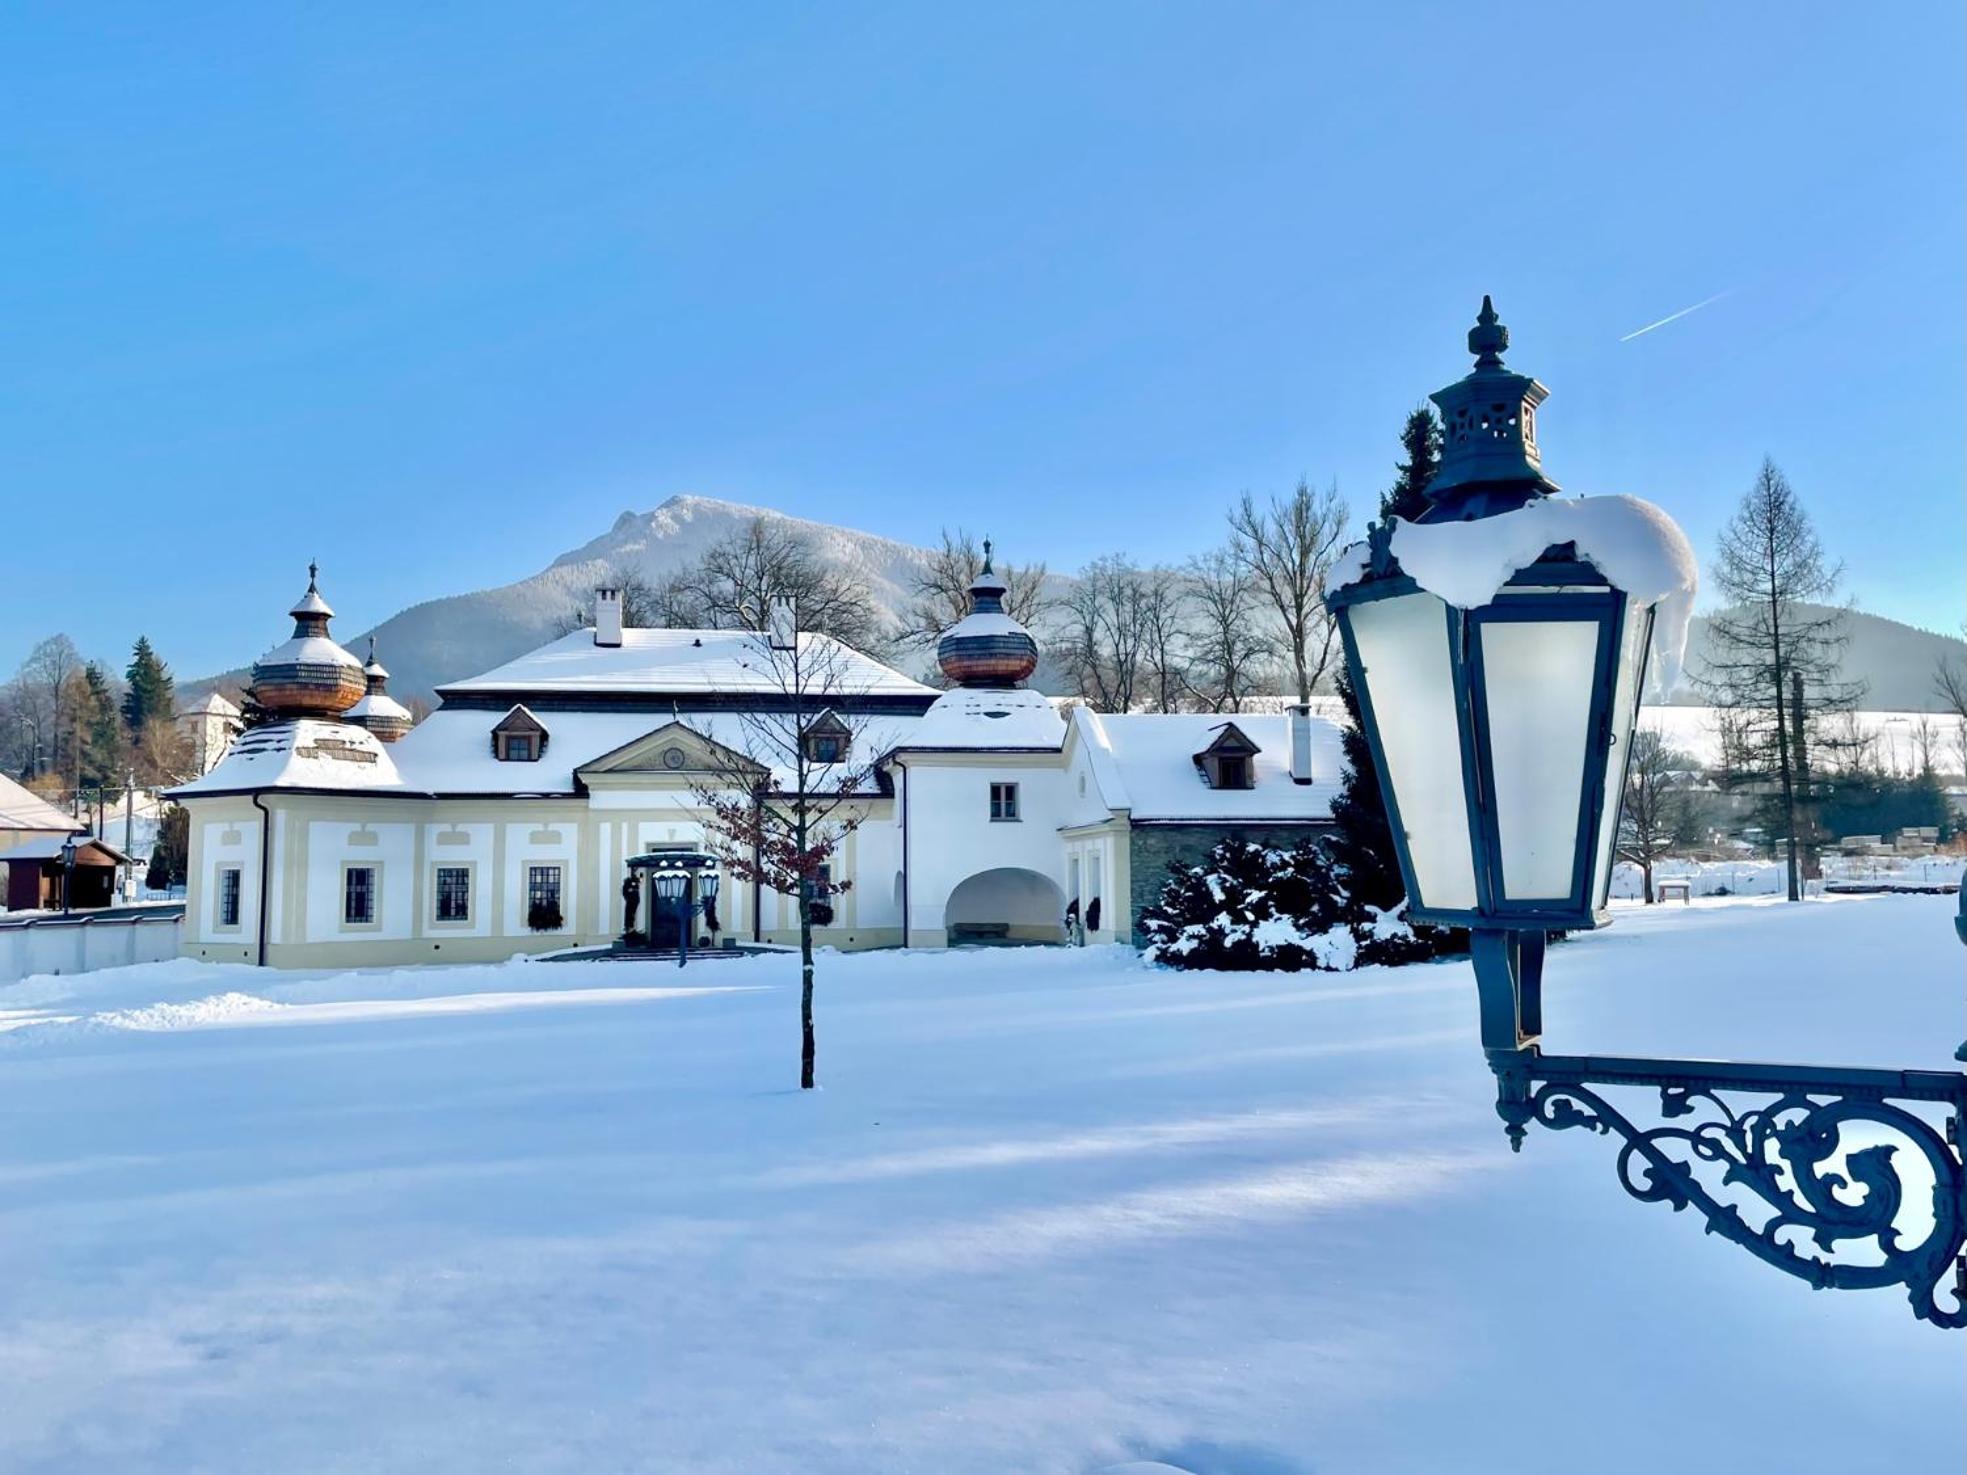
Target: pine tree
(105, 744)
(152, 694)
(1420, 438)
(1362, 840)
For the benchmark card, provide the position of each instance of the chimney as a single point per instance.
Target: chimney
(1300, 717)
(607, 617)
(784, 622)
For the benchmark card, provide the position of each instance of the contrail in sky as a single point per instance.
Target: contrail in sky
(1674, 316)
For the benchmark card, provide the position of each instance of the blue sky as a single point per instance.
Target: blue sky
(433, 293)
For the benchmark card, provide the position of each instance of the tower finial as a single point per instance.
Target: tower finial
(986, 567)
(313, 573)
(1488, 338)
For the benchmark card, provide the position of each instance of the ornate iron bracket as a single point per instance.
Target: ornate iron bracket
(1813, 1157)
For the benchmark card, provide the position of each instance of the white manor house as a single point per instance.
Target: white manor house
(336, 834)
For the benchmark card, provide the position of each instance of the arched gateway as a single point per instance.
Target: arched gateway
(1008, 904)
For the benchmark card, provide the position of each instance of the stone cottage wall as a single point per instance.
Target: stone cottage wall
(1152, 848)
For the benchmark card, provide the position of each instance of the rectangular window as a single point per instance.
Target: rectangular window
(1234, 771)
(358, 896)
(519, 747)
(1003, 801)
(543, 893)
(228, 896)
(454, 893)
(825, 748)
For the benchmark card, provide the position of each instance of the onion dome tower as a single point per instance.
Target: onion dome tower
(987, 648)
(309, 675)
(378, 711)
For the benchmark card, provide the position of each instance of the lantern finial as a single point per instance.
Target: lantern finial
(1488, 339)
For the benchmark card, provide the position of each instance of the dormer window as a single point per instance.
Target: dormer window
(519, 737)
(1229, 762)
(826, 739)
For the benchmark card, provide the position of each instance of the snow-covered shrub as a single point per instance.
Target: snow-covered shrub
(1250, 906)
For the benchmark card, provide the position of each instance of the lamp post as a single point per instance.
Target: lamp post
(683, 883)
(67, 873)
(1498, 646)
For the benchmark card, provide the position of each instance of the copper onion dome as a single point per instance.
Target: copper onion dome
(308, 675)
(987, 647)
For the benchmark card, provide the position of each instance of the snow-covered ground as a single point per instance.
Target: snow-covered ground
(1052, 1211)
(1752, 877)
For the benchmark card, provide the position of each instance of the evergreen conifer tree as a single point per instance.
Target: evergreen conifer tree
(1362, 839)
(105, 748)
(152, 694)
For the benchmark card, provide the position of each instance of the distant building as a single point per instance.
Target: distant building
(32, 832)
(211, 725)
(985, 812)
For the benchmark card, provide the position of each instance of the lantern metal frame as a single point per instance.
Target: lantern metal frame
(1775, 1134)
(1576, 591)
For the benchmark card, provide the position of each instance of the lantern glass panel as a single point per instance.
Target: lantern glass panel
(1403, 645)
(1634, 636)
(1538, 679)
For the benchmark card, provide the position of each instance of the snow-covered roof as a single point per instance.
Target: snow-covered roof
(309, 650)
(48, 847)
(23, 809)
(660, 662)
(1145, 763)
(214, 705)
(450, 751)
(980, 718)
(377, 704)
(305, 753)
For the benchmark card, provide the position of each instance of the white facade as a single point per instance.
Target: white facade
(982, 814)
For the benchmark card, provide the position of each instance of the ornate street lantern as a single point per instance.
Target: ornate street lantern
(681, 882)
(67, 872)
(1499, 647)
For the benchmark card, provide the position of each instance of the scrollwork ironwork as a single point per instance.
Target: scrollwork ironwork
(1807, 1153)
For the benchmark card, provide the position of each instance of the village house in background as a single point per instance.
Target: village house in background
(211, 725)
(330, 835)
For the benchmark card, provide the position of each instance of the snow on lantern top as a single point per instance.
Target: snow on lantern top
(308, 675)
(987, 647)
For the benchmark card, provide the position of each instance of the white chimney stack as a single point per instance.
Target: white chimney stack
(1300, 744)
(607, 617)
(784, 622)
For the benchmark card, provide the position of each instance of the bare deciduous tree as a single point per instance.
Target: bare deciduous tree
(1288, 547)
(732, 586)
(781, 804)
(1102, 633)
(940, 592)
(1229, 653)
(646, 604)
(1772, 662)
(1655, 815)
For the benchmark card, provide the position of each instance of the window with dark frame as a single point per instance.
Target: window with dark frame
(1232, 771)
(358, 896)
(519, 747)
(824, 747)
(228, 896)
(1003, 801)
(454, 893)
(542, 888)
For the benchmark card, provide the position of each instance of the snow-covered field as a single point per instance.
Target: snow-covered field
(1052, 1211)
(1770, 878)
